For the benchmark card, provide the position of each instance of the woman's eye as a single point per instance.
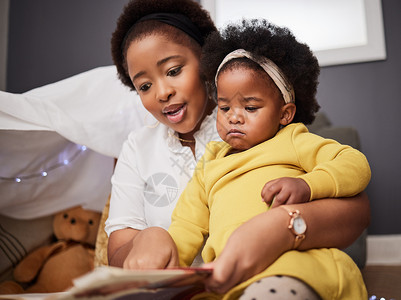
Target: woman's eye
(175, 71)
(144, 87)
(251, 108)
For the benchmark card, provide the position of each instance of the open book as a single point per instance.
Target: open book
(115, 283)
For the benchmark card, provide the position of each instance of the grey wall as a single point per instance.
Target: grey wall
(4, 4)
(52, 39)
(367, 96)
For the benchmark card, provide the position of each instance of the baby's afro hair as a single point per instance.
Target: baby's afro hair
(278, 44)
(124, 35)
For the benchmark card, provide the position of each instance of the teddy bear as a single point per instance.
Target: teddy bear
(53, 267)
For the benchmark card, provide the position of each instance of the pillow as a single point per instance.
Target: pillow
(20, 237)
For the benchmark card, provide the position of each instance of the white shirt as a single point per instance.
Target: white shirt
(152, 171)
(92, 108)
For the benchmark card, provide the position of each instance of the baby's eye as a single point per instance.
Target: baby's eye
(224, 108)
(144, 87)
(251, 108)
(174, 71)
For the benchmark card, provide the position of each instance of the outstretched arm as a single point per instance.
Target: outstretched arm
(151, 248)
(119, 245)
(259, 242)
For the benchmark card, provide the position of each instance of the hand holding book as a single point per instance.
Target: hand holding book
(152, 248)
(116, 283)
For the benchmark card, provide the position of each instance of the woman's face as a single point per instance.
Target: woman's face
(250, 109)
(166, 77)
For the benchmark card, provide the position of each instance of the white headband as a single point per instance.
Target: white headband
(270, 68)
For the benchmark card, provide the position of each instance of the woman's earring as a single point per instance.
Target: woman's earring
(154, 125)
(150, 125)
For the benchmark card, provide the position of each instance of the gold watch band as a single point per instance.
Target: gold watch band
(296, 215)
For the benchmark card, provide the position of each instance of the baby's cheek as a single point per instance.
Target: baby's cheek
(220, 124)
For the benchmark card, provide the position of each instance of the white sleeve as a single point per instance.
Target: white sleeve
(127, 198)
(92, 108)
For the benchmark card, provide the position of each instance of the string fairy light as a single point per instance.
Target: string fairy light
(45, 173)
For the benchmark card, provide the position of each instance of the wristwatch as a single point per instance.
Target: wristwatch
(297, 226)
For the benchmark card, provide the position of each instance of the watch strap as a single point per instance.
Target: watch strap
(294, 213)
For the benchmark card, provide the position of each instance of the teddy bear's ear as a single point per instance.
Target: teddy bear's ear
(77, 224)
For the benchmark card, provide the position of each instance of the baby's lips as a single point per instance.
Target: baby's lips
(235, 131)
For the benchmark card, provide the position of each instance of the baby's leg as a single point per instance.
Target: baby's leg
(279, 288)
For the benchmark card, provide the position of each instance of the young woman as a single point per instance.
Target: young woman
(156, 48)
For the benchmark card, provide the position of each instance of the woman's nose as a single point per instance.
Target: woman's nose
(165, 92)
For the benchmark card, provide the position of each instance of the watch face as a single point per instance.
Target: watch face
(299, 225)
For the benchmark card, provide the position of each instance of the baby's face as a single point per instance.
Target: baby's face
(249, 107)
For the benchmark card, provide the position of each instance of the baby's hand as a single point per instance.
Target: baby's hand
(152, 248)
(285, 190)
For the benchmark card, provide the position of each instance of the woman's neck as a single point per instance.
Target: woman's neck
(190, 144)
(188, 139)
